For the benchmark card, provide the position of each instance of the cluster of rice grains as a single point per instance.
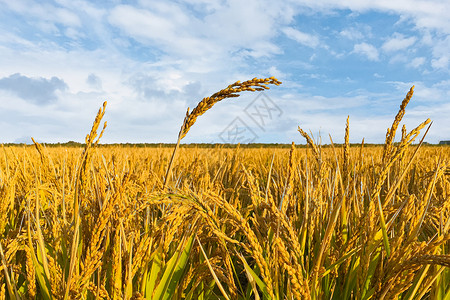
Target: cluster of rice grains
(321, 222)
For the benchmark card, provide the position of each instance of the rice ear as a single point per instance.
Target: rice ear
(231, 91)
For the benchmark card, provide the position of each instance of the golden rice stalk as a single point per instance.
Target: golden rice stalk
(9, 285)
(99, 291)
(361, 151)
(142, 252)
(442, 260)
(404, 131)
(7, 194)
(253, 187)
(80, 181)
(345, 170)
(311, 143)
(93, 134)
(117, 267)
(390, 135)
(56, 274)
(412, 135)
(231, 91)
(290, 181)
(254, 248)
(285, 228)
(47, 162)
(345, 177)
(95, 250)
(300, 288)
(31, 274)
(90, 141)
(400, 149)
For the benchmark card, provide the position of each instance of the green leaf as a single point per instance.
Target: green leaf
(262, 286)
(350, 281)
(173, 271)
(383, 229)
(129, 280)
(43, 280)
(154, 272)
(216, 279)
(367, 291)
(447, 295)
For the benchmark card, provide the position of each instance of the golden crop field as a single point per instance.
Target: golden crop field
(335, 222)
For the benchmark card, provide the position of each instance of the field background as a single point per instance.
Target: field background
(343, 222)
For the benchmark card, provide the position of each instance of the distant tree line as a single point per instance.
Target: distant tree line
(72, 144)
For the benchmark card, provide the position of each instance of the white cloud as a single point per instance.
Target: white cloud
(142, 24)
(44, 12)
(441, 62)
(441, 54)
(367, 50)
(398, 42)
(431, 14)
(424, 94)
(351, 34)
(303, 38)
(417, 62)
(399, 59)
(215, 34)
(274, 71)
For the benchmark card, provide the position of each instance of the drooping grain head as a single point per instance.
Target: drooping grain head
(231, 91)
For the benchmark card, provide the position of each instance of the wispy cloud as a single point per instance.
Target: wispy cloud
(144, 25)
(303, 38)
(177, 32)
(441, 54)
(58, 15)
(351, 34)
(418, 61)
(367, 50)
(430, 14)
(398, 42)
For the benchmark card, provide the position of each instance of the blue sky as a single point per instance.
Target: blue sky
(152, 59)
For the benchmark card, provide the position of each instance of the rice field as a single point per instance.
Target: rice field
(314, 222)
